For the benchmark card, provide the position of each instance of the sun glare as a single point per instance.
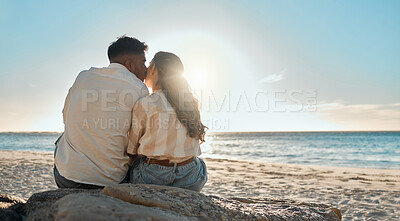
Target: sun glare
(198, 78)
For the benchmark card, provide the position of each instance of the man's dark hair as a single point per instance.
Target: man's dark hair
(125, 45)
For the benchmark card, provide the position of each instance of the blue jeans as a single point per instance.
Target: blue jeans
(192, 176)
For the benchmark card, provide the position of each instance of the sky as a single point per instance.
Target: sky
(254, 65)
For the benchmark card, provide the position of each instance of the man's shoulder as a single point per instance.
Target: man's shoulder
(114, 72)
(87, 73)
(127, 76)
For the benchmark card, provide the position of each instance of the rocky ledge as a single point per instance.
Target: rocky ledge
(152, 202)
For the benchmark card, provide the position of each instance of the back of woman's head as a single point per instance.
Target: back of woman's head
(178, 93)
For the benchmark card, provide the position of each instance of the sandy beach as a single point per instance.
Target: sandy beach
(359, 193)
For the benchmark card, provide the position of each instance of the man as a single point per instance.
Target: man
(97, 116)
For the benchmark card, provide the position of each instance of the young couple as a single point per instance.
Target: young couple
(115, 132)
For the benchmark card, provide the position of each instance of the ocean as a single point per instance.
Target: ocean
(343, 149)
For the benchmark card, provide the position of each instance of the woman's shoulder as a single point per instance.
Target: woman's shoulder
(155, 102)
(153, 98)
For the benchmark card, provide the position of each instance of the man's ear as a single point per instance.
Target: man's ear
(129, 64)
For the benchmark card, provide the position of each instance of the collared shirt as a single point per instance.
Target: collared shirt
(97, 116)
(157, 132)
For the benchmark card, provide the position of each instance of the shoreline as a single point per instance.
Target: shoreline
(357, 192)
(244, 161)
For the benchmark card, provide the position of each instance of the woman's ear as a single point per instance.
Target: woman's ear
(155, 73)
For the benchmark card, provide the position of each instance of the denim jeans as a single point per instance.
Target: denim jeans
(192, 176)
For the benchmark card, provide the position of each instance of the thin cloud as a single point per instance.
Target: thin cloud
(338, 105)
(395, 105)
(275, 77)
(361, 116)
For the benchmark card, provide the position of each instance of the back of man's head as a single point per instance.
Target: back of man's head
(125, 46)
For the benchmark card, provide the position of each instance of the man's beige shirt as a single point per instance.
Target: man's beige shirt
(97, 117)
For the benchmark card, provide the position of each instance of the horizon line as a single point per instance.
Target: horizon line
(268, 131)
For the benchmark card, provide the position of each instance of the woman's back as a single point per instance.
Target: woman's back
(166, 129)
(160, 134)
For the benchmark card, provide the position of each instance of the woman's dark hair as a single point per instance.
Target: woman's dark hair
(178, 93)
(125, 45)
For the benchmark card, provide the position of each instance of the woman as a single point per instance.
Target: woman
(167, 130)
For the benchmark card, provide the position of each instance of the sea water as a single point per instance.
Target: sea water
(346, 149)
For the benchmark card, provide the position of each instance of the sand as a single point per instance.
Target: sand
(359, 193)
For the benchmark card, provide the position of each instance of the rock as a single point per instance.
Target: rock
(89, 206)
(9, 215)
(194, 204)
(272, 209)
(153, 202)
(171, 198)
(42, 202)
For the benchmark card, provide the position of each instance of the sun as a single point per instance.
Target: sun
(197, 78)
